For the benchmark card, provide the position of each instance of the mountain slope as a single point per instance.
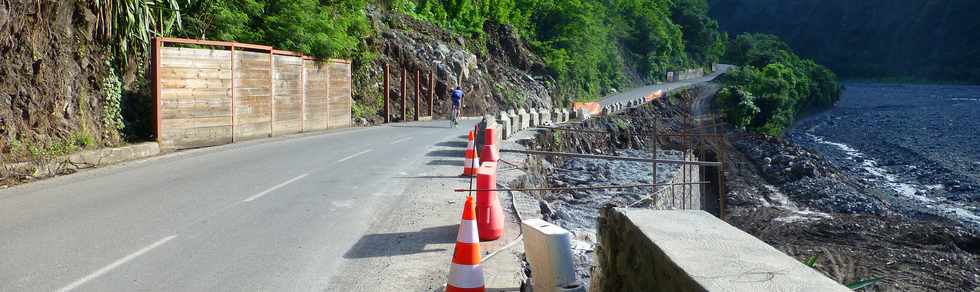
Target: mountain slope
(880, 39)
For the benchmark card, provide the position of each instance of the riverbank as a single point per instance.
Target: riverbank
(869, 187)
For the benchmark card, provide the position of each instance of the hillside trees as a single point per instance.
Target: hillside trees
(777, 81)
(586, 43)
(315, 28)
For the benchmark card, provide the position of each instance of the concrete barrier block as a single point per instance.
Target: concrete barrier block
(545, 116)
(583, 114)
(535, 118)
(515, 121)
(505, 125)
(548, 249)
(525, 118)
(637, 252)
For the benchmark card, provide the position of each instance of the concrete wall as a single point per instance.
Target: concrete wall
(684, 75)
(214, 96)
(648, 250)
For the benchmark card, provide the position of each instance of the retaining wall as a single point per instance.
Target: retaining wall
(683, 250)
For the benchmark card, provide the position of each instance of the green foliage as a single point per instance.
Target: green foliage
(511, 98)
(112, 119)
(704, 43)
(864, 283)
(316, 28)
(82, 139)
(131, 24)
(777, 81)
(738, 105)
(585, 43)
(857, 285)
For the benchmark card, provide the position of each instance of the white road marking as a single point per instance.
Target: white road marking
(401, 140)
(355, 155)
(266, 192)
(116, 264)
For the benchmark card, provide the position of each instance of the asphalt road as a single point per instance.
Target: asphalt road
(643, 91)
(268, 215)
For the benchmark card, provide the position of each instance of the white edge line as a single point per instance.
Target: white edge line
(354, 155)
(116, 264)
(401, 140)
(266, 192)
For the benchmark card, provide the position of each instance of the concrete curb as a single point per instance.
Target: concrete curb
(88, 159)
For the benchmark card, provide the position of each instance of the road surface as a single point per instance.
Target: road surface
(271, 215)
(635, 93)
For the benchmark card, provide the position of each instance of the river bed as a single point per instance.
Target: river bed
(918, 146)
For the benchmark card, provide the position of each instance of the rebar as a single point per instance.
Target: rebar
(580, 188)
(608, 157)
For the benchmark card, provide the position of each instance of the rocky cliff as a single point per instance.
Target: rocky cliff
(498, 72)
(52, 76)
(932, 40)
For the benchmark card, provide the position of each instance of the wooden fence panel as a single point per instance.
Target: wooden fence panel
(195, 97)
(253, 95)
(288, 92)
(208, 97)
(316, 95)
(339, 91)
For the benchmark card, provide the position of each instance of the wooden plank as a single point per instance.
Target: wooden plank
(187, 123)
(194, 52)
(185, 73)
(179, 93)
(196, 83)
(189, 64)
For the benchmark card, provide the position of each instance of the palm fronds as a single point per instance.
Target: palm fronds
(131, 24)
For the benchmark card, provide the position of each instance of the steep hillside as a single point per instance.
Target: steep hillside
(506, 75)
(880, 39)
(56, 91)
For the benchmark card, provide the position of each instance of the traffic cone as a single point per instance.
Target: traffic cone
(489, 214)
(472, 162)
(465, 273)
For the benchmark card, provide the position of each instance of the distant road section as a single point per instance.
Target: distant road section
(646, 90)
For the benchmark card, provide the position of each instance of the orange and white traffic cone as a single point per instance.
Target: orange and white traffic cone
(465, 273)
(472, 162)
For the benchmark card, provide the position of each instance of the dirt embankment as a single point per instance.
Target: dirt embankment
(498, 74)
(52, 76)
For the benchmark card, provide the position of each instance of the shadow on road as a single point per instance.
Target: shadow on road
(454, 144)
(402, 243)
(447, 153)
(445, 162)
(422, 127)
(427, 176)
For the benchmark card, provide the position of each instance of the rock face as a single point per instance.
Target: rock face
(51, 73)
(507, 67)
(806, 177)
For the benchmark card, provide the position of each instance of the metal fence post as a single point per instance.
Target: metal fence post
(387, 93)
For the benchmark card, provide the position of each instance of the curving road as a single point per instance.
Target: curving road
(644, 91)
(270, 215)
